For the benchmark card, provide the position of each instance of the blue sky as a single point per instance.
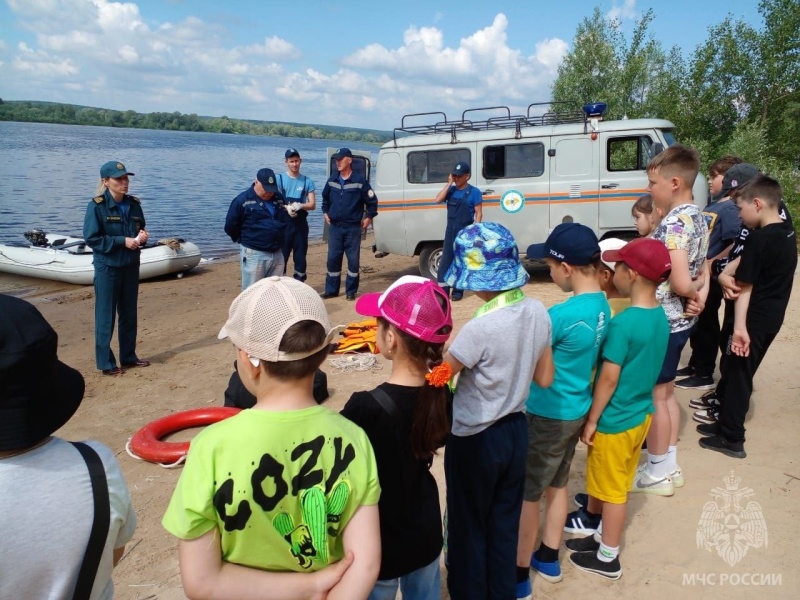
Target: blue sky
(356, 63)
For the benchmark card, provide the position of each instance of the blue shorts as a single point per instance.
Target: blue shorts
(675, 346)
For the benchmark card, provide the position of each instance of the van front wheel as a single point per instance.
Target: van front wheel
(429, 259)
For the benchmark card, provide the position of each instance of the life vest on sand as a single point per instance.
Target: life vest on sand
(359, 336)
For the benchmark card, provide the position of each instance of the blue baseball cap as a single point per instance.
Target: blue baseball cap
(113, 169)
(486, 259)
(572, 243)
(342, 153)
(266, 177)
(290, 153)
(461, 168)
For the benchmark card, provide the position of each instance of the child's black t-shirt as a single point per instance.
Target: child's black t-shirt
(768, 263)
(744, 234)
(411, 525)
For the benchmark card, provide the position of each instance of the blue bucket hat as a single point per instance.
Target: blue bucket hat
(486, 259)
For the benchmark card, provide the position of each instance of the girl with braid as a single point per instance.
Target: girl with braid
(407, 419)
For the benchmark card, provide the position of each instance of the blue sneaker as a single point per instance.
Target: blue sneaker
(524, 591)
(579, 521)
(549, 571)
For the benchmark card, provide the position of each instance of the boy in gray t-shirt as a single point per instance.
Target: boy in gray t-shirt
(498, 353)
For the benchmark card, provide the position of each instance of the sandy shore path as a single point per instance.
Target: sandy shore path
(178, 324)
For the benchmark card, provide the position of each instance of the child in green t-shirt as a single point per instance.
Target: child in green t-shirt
(288, 487)
(622, 405)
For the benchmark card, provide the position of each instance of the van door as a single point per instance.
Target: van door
(390, 226)
(623, 174)
(574, 180)
(361, 165)
(512, 175)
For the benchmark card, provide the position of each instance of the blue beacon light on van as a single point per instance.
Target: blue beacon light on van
(594, 110)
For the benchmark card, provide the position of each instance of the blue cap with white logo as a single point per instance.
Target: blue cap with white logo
(572, 243)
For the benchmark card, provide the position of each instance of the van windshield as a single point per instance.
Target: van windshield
(669, 137)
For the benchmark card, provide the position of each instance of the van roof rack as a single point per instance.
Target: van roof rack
(548, 113)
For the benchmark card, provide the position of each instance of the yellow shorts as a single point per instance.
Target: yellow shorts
(612, 461)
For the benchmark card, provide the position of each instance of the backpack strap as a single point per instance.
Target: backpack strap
(100, 523)
(386, 402)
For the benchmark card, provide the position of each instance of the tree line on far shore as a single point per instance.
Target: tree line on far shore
(68, 114)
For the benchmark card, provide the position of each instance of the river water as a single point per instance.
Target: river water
(186, 181)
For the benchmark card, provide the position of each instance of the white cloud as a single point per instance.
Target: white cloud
(110, 54)
(38, 63)
(625, 11)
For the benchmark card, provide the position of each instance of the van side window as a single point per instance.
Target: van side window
(434, 166)
(513, 160)
(628, 153)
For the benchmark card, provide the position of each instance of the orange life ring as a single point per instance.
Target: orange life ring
(147, 445)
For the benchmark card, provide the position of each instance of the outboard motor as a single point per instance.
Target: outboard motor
(36, 237)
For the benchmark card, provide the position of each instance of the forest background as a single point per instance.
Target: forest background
(736, 93)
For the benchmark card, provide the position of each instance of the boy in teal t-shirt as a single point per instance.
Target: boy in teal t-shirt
(282, 497)
(623, 400)
(556, 414)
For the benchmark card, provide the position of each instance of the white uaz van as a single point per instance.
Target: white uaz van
(535, 171)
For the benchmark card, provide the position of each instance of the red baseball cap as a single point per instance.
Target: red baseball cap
(646, 256)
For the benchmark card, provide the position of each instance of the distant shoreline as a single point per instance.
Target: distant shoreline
(33, 111)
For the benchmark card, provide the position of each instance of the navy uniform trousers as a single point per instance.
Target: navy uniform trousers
(296, 242)
(116, 290)
(343, 240)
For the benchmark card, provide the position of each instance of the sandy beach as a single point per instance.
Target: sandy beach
(178, 324)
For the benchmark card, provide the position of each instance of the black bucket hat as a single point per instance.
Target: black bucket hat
(38, 393)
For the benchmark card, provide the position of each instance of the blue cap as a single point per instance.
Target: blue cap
(572, 243)
(290, 153)
(113, 169)
(486, 259)
(342, 153)
(461, 168)
(266, 177)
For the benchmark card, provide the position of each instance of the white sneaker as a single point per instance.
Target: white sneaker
(647, 484)
(677, 478)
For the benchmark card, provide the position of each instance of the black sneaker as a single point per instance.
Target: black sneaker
(686, 371)
(588, 561)
(708, 429)
(582, 500)
(326, 295)
(719, 443)
(706, 415)
(581, 521)
(584, 544)
(696, 382)
(707, 400)
(350, 297)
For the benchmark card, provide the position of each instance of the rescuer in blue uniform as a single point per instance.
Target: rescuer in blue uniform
(114, 228)
(463, 208)
(300, 197)
(345, 199)
(256, 220)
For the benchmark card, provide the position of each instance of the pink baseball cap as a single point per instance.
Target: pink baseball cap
(412, 304)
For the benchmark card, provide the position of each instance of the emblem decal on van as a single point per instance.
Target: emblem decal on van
(512, 201)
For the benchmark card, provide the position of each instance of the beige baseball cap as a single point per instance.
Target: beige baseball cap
(259, 317)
